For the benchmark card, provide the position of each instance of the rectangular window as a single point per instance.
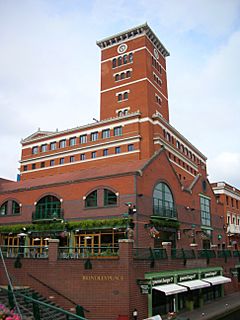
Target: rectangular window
(82, 156)
(94, 154)
(205, 211)
(34, 150)
(53, 146)
(25, 168)
(117, 131)
(61, 161)
(52, 163)
(106, 133)
(83, 138)
(42, 164)
(118, 150)
(72, 141)
(130, 147)
(105, 152)
(232, 202)
(62, 143)
(94, 136)
(43, 148)
(33, 166)
(72, 158)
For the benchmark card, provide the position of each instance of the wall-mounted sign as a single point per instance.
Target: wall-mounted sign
(163, 280)
(187, 277)
(145, 289)
(210, 274)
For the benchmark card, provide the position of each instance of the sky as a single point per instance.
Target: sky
(50, 70)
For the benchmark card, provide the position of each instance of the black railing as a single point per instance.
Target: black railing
(28, 252)
(48, 214)
(87, 252)
(150, 253)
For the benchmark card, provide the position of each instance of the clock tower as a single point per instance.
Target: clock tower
(133, 74)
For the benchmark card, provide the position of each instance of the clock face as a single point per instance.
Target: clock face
(156, 54)
(122, 48)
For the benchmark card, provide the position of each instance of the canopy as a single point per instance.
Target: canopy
(195, 284)
(169, 289)
(217, 280)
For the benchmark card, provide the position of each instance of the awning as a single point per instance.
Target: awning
(169, 289)
(217, 280)
(195, 284)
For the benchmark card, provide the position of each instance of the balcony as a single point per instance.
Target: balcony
(50, 215)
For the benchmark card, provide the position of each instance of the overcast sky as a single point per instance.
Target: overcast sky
(50, 70)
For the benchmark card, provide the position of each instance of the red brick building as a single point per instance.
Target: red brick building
(127, 197)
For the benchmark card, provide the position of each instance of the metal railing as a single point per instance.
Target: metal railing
(48, 214)
(87, 252)
(150, 253)
(31, 252)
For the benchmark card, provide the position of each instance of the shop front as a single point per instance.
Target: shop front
(179, 290)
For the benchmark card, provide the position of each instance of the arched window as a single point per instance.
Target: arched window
(122, 75)
(130, 57)
(119, 61)
(163, 203)
(120, 113)
(117, 77)
(91, 200)
(125, 95)
(114, 63)
(110, 198)
(48, 208)
(4, 209)
(15, 207)
(125, 60)
(128, 74)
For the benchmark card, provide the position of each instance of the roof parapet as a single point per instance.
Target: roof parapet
(131, 33)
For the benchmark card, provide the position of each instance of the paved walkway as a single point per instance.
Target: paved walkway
(214, 310)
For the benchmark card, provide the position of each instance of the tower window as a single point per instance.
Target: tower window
(42, 164)
(122, 75)
(125, 95)
(33, 166)
(128, 74)
(52, 163)
(117, 77)
(119, 97)
(119, 61)
(94, 155)
(125, 59)
(61, 161)
(114, 63)
(72, 158)
(130, 57)
(25, 168)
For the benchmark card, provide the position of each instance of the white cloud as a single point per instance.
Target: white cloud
(225, 167)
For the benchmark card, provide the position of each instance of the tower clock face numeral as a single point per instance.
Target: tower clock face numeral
(122, 48)
(156, 54)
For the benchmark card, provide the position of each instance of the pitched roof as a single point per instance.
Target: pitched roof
(71, 177)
